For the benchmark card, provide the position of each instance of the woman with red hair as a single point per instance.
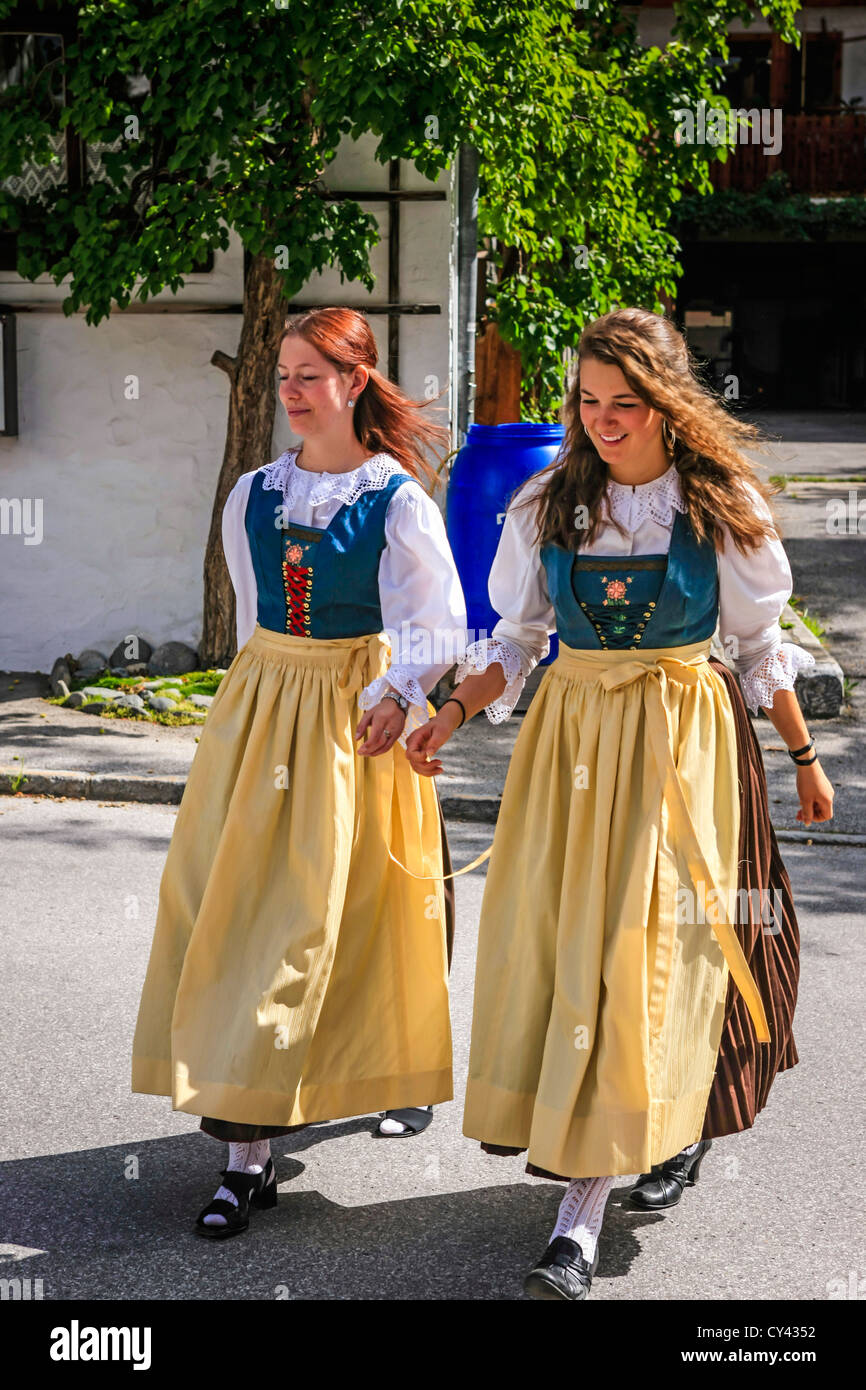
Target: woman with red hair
(297, 974)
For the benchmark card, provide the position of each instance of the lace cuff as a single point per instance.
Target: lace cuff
(480, 655)
(777, 671)
(417, 713)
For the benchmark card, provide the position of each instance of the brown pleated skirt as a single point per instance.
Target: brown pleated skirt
(745, 1069)
(232, 1132)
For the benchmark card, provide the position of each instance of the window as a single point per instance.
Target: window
(816, 72)
(747, 72)
(31, 58)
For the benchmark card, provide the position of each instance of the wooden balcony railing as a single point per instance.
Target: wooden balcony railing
(820, 154)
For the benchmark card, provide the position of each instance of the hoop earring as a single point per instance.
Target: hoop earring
(670, 438)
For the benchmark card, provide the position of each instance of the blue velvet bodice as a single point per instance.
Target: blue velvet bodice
(320, 583)
(620, 601)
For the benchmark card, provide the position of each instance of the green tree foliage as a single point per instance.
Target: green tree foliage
(209, 116)
(225, 115)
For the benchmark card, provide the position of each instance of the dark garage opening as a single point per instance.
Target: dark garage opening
(795, 315)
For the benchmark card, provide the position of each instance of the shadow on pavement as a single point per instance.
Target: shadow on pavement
(97, 1234)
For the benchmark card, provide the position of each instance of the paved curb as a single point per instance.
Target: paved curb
(821, 689)
(90, 786)
(107, 786)
(832, 837)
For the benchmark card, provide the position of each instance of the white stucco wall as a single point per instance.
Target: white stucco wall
(126, 486)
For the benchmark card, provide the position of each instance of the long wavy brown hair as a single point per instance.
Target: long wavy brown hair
(707, 442)
(386, 420)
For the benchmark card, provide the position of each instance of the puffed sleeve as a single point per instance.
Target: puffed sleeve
(517, 586)
(236, 548)
(423, 608)
(753, 591)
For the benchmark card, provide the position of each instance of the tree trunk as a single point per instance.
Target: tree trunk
(248, 442)
(498, 377)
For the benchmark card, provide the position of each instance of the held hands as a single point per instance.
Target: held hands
(386, 715)
(815, 793)
(423, 743)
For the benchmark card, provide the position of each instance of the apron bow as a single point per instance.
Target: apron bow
(685, 672)
(657, 674)
(362, 663)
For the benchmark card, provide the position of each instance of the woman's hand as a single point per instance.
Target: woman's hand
(813, 788)
(424, 742)
(386, 715)
(815, 793)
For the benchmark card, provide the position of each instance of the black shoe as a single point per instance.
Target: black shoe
(251, 1190)
(663, 1186)
(416, 1118)
(562, 1272)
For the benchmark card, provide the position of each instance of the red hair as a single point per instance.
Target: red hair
(386, 420)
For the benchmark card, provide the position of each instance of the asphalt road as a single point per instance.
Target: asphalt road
(820, 455)
(100, 1187)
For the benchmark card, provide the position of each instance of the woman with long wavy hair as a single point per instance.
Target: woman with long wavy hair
(297, 974)
(624, 991)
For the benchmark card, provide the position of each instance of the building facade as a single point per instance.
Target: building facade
(773, 294)
(108, 474)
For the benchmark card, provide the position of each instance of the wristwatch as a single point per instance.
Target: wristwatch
(395, 695)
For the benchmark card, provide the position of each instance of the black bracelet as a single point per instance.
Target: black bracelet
(796, 753)
(806, 762)
(452, 700)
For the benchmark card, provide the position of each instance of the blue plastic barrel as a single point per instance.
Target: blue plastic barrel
(494, 461)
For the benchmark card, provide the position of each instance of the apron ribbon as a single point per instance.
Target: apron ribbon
(362, 663)
(657, 675)
(457, 872)
(687, 673)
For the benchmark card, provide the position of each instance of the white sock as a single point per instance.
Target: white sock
(581, 1212)
(690, 1148)
(389, 1126)
(243, 1158)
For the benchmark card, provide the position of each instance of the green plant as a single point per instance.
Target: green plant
(204, 682)
(842, 479)
(177, 717)
(580, 216)
(813, 624)
(773, 207)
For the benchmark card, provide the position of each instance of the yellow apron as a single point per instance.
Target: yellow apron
(296, 974)
(601, 975)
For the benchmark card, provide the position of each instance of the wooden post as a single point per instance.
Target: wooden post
(497, 379)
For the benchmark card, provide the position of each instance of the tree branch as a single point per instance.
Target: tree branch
(225, 363)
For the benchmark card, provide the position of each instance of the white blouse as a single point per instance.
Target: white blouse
(423, 608)
(753, 591)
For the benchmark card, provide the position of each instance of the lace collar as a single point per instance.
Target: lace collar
(284, 476)
(657, 500)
